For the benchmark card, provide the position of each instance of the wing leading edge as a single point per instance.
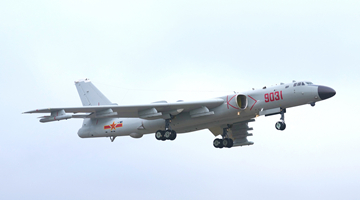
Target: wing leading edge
(135, 110)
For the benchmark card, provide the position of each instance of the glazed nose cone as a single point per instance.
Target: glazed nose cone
(325, 92)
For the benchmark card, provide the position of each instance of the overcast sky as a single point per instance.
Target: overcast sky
(138, 52)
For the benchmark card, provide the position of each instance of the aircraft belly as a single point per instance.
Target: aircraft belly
(222, 114)
(109, 127)
(150, 126)
(218, 122)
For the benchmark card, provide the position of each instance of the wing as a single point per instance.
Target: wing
(148, 111)
(238, 132)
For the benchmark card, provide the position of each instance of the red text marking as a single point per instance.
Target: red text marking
(273, 96)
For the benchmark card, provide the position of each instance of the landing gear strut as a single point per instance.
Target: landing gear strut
(280, 125)
(225, 141)
(167, 134)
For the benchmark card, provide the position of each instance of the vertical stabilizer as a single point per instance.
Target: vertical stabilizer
(89, 94)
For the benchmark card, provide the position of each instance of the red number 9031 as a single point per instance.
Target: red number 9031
(273, 96)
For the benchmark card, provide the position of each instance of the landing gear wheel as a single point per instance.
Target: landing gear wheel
(218, 143)
(167, 134)
(159, 135)
(225, 142)
(231, 143)
(173, 135)
(280, 125)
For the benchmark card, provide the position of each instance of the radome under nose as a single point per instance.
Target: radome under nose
(325, 92)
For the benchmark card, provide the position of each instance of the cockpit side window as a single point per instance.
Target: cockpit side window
(309, 83)
(294, 84)
(299, 83)
(302, 83)
(287, 86)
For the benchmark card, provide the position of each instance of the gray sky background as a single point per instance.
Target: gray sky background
(138, 52)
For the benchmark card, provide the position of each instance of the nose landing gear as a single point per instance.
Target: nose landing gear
(280, 125)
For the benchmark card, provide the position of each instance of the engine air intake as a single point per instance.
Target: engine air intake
(242, 101)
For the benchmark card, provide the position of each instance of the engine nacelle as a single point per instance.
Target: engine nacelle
(241, 101)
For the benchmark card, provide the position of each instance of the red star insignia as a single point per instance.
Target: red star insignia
(113, 126)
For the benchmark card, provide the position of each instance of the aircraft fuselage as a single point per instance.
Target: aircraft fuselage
(236, 108)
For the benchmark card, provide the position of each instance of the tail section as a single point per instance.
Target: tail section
(89, 94)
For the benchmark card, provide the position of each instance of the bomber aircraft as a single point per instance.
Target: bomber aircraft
(227, 116)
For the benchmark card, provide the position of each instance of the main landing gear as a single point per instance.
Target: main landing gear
(166, 134)
(280, 125)
(225, 142)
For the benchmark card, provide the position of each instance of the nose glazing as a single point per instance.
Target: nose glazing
(325, 92)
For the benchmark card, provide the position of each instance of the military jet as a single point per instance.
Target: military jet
(227, 117)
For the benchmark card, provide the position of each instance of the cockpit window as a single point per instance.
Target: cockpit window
(286, 86)
(294, 84)
(309, 83)
(302, 83)
(299, 83)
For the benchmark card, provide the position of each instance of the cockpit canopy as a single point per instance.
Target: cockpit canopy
(302, 83)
